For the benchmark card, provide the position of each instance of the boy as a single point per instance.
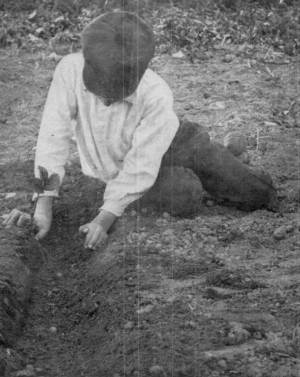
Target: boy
(121, 115)
(124, 119)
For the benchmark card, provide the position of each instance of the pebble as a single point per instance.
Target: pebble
(222, 364)
(244, 158)
(53, 329)
(190, 324)
(228, 58)
(219, 293)
(157, 370)
(219, 105)
(145, 309)
(129, 325)
(59, 275)
(27, 372)
(280, 233)
(210, 203)
(235, 142)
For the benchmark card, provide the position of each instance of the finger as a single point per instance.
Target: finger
(41, 234)
(92, 238)
(24, 219)
(7, 217)
(101, 240)
(14, 216)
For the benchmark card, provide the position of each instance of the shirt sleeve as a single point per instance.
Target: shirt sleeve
(52, 150)
(151, 140)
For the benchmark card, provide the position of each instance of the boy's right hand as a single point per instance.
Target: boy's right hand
(42, 218)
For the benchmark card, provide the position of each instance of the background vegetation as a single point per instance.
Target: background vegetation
(192, 26)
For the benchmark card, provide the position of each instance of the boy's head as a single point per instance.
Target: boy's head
(117, 48)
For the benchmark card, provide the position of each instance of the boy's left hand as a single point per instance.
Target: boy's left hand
(95, 235)
(96, 230)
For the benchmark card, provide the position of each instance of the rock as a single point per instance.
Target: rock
(190, 324)
(179, 55)
(222, 364)
(27, 372)
(236, 143)
(10, 195)
(145, 309)
(228, 58)
(210, 203)
(129, 325)
(53, 329)
(32, 16)
(219, 293)
(244, 158)
(157, 371)
(237, 334)
(280, 233)
(219, 105)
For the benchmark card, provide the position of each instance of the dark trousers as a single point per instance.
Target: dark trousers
(194, 163)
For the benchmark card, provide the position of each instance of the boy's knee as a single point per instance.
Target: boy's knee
(177, 191)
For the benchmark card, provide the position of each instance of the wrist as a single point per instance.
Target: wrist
(105, 219)
(44, 205)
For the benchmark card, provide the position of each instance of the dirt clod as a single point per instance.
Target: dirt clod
(157, 371)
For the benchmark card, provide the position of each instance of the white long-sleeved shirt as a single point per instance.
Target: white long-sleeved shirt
(121, 144)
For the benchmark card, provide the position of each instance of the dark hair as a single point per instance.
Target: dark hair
(117, 48)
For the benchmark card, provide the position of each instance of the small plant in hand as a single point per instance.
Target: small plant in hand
(45, 183)
(40, 186)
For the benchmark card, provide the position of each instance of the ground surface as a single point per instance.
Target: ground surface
(216, 295)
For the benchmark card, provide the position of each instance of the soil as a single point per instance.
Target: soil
(213, 295)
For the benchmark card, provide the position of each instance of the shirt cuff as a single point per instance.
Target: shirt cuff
(114, 207)
(53, 193)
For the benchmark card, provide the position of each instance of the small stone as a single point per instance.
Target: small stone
(289, 228)
(157, 370)
(179, 55)
(27, 372)
(59, 275)
(222, 364)
(228, 58)
(53, 329)
(236, 143)
(210, 203)
(219, 105)
(219, 293)
(145, 309)
(244, 158)
(280, 233)
(190, 324)
(10, 195)
(129, 325)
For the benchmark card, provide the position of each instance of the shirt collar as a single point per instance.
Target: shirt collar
(131, 99)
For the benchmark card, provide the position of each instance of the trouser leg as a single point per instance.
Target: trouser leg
(221, 174)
